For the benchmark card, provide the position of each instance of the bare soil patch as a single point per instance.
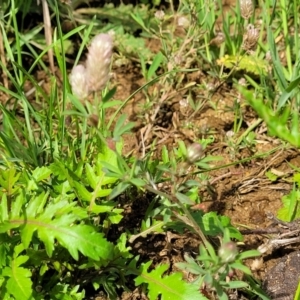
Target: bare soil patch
(242, 192)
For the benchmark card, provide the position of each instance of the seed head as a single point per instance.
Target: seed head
(194, 152)
(242, 81)
(250, 38)
(78, 82)
(159, 14)
(98, 62)
(228, 252)
(183, 21)
(247, 8)
(218, 39)
(268, 56)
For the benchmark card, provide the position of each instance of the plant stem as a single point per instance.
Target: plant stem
(249, 129)
(284, 7)
(188, 219)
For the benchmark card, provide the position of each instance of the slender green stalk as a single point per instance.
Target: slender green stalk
(249, 129)
(297, 294)
(284, 19)
(296, 28)
(63, 68)
(17, 41)
(190, 218)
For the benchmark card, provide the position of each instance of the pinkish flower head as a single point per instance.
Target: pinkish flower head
(98, 62)
(78, 82)
(159, 15)
(228, 252)
(247, 8)
(183, 21)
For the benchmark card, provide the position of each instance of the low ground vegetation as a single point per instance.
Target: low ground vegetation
(146, 148)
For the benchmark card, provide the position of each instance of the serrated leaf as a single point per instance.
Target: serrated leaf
(91, 176)
(78, 238)
(296, 178)
(8, 178)
(248, 63)
(77, 167)
(82, 191)
(17, 204)
(102, 208)
(20, 260)
(3, 209)
(36, 205)
(169, 286)
(108, 160)
(96, 182)
(34, 222)
(156, 227)
(271, 176)
(103, 193)
(6, 225)
(19, 283)
(56, 223)
(41, 173)
(290, 210)
(115, 216)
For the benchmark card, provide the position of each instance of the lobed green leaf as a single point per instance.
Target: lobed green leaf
(168, 286)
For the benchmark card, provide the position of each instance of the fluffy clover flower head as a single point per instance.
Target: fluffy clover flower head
(247, 8)
(98, 62)
(78, 81)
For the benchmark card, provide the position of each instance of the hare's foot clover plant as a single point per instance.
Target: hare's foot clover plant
(93, 76)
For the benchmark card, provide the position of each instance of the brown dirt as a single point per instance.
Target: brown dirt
(242, 192)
